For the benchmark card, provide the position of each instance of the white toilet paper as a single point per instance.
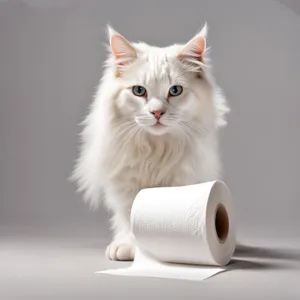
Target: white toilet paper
(185, 232)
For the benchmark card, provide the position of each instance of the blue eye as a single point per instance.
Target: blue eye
(139, 91)
(175, 90)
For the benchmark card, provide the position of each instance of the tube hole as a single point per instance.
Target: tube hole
(221, 223)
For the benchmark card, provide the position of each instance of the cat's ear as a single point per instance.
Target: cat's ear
(122, 50)
(194, 50)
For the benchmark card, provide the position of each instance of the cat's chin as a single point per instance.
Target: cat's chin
(157, 129)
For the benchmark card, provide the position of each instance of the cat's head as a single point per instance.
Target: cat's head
(163, 90)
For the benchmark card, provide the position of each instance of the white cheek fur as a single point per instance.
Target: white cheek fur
(129, 103)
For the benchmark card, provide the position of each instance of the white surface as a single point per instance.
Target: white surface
(57, 263)
(176, 233)
(37, 263)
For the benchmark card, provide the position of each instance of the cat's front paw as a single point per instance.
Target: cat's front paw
(121, 250)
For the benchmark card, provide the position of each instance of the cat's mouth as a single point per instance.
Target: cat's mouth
(158, 128)
(158, 124)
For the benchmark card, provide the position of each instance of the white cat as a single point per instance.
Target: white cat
(153, 123)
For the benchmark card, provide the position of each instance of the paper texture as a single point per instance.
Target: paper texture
(144, 266)
(185, 232)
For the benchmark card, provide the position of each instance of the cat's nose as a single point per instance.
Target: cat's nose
(158, 113)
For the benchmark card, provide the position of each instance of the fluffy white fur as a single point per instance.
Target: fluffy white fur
(122, 151)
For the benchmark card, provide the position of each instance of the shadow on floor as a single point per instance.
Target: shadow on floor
(241, 264)
(266, 253)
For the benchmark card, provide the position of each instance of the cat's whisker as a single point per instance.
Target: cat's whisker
(171, 117)
(125, 120)
(129, 137)
(194, 136)
(119, 130)
(169, 122)
(125, 136)
(196, 127)
(120, 133)
(124, 142)
(188, 130)
(139, 136)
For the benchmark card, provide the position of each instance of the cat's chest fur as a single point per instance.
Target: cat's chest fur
(156, 163)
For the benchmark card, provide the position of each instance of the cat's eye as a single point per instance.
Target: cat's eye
(139, 91)
(175, 90)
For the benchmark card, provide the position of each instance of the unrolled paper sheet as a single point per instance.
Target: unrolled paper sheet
(185, 232)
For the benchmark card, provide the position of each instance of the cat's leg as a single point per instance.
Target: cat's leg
(123, 246)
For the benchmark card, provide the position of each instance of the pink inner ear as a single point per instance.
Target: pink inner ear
(114, 46)
(199, 55)
(199, 47)
(122, 48)
(194, 49)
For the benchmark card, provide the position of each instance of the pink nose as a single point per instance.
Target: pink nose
(157, 113)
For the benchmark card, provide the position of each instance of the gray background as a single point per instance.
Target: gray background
(51, 58)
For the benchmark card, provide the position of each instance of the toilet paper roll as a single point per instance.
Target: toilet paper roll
(185, 232)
